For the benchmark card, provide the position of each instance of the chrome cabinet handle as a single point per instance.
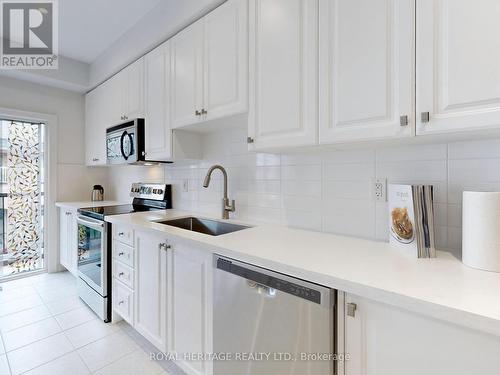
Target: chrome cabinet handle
(204, 111)
(250, 140)
(164, 246)
(121, 253)
(351, 309)
(121, 234)
(121, 303)
(197, 113)
(425, 117)
(121, 274)
(95, 159)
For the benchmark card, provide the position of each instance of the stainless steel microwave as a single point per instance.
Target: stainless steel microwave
(125, 142)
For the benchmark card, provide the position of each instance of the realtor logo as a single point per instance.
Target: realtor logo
(29, 34)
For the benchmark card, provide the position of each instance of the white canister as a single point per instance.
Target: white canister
(481, 230)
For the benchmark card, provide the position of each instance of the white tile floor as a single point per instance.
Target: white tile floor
(46, 329)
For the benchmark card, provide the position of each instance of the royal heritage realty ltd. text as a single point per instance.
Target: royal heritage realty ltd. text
(243, 356)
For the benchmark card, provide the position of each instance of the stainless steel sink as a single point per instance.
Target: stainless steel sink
(205, 226)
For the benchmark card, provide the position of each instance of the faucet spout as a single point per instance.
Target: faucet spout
(227, 206)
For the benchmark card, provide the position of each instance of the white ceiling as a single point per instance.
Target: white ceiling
(88, 27)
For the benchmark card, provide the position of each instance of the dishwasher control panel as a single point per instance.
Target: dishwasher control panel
(270, 281)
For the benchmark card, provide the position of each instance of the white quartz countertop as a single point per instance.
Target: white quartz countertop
(442, 288)
(77, 205)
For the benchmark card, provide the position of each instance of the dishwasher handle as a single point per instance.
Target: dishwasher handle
(272, 281)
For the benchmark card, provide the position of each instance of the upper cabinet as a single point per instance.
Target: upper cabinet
(127, 93)
(458, 59)
(366, 69)
(283, 65)
(187, 76)
(209, 66)
(95, 127)
(118, 99)
(158, 142)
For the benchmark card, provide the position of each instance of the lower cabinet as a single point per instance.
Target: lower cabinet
(190, 306)
(68, 246)
(150, 287)
(383, 339)
(163, 287)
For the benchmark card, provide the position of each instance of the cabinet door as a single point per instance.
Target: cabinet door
(72, 244)
(382, 339)
(190, 307)
(226, 60)
(95, 130)
(458, 55)
(113, 98)
(158, 133)
(187, 75)
(366, 69)
(283, 81)
(150, 289)
(133, 84)
(63, 238)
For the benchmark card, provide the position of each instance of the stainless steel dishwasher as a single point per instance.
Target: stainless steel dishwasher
(269, 323)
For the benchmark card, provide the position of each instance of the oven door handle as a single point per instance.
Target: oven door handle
(93, 224)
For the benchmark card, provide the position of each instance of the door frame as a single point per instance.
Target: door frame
(50, 231)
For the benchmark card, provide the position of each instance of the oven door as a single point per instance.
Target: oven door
(92, 255)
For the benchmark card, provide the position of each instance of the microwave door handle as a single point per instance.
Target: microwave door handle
(131, 140)
(124, 134)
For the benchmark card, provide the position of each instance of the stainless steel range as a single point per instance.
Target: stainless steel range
(94, 243)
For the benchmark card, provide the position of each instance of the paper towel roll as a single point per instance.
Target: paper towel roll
(481, 230)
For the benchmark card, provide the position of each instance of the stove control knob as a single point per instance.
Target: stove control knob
(160, 191)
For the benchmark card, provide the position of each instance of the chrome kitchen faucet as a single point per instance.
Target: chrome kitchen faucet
(227, 206)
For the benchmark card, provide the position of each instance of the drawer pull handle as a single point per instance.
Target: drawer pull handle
(121, 253)
(121, 274)
(121, 303)
(121, 234)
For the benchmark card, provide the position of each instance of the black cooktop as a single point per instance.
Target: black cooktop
(100, 212)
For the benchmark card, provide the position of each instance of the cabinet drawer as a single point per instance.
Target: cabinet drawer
(123, 253)
(123, 234)
(123, 273)
(123, 301)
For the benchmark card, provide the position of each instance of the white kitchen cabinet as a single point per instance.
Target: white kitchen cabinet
(366, 70)
(68, 245)
(187, 75)
(150, 287)
(382, 339)
(283, 84)
(124, 95)
(133, 90)
(226, 60)
(458, 55)
(158, 142)
(95, 127)
(209, 69)
(190, 305)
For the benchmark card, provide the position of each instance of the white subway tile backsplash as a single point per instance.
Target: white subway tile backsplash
(347, 189)
(489, 148)
(417, 170)
(349, 172)
(301, 188)
(328, 190)
(412, 152)
(301, 172)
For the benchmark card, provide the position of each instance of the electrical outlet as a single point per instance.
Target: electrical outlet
(380, 189)
(185, 186)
